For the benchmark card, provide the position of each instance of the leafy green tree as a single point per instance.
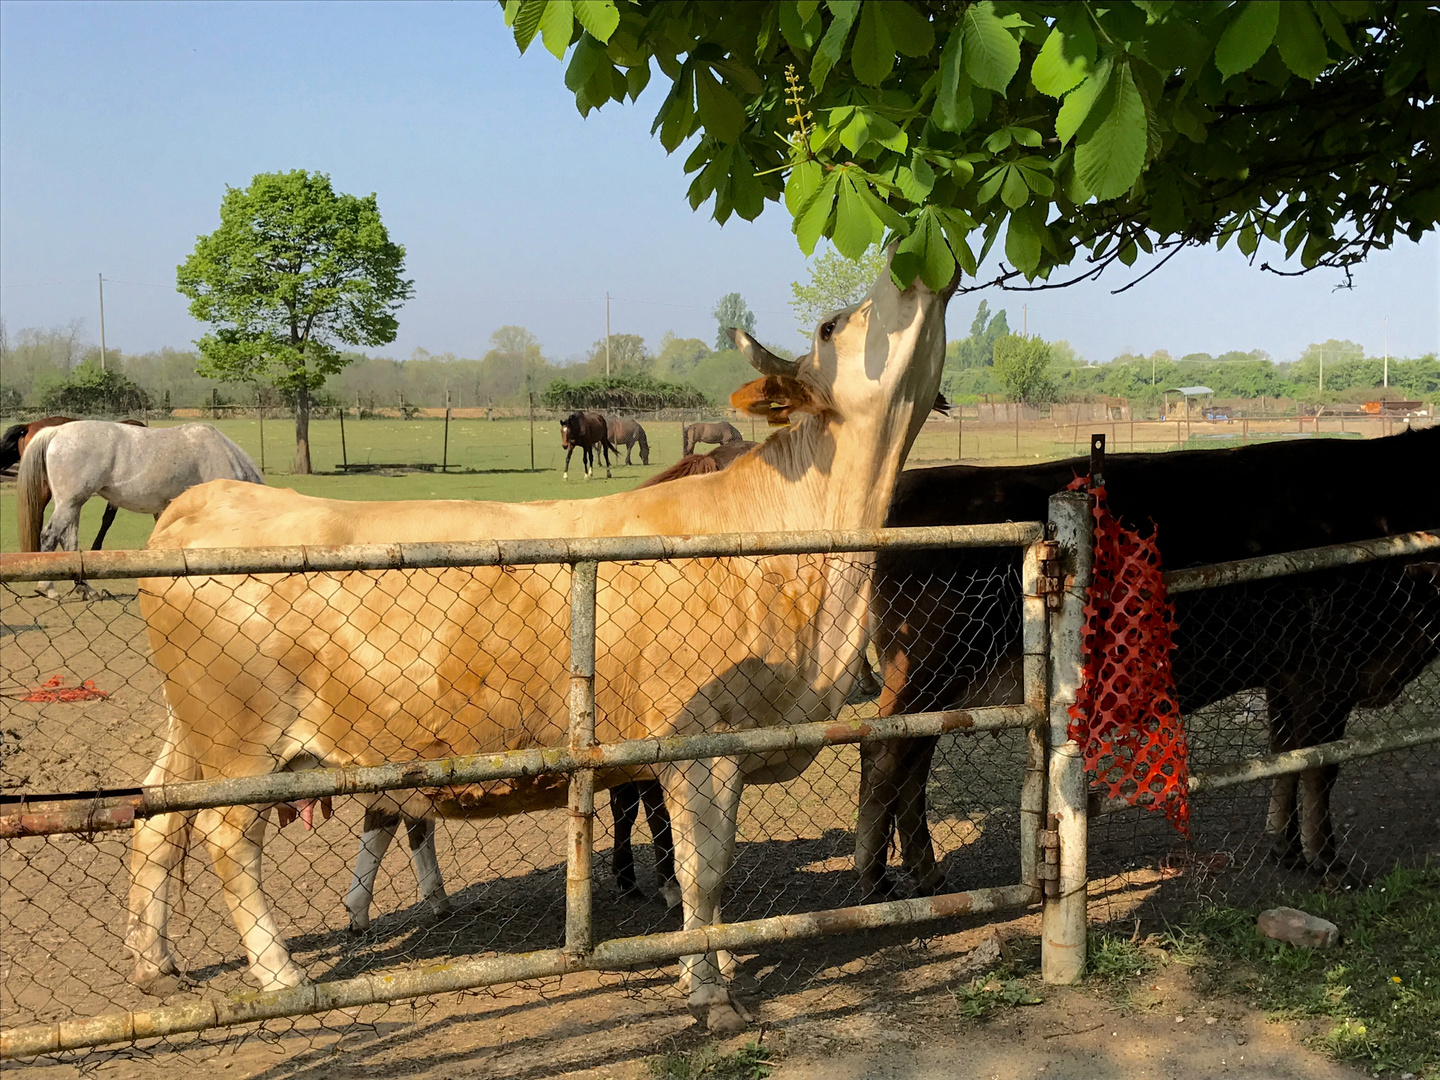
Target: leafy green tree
(627, 353)
(513, 367)
(731, 311)
(1022, 364)
(679, 356)
(636, 391)
(1100, 130)
(835, 282)
(294, 270)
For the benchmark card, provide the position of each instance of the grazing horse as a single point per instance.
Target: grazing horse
(12, 449)
(721, 432)
(353, 669)
(947, 623)
(138, 468)
(585, 430)
(622, 429)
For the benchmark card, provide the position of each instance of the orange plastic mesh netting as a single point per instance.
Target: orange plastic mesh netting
(55, 690)
(1126, 717)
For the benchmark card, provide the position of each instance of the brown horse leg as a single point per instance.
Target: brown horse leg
(624, 808)
(568, 451)
(916, 848)
(880, 775)
(658, 818)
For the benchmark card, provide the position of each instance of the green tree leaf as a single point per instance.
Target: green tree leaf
(1081, 100)
(954, 107)
(803, 181)
(872, 56)
(1247, 37)
(992, 55)
(910, 31)
(719, 110)
(814, 216)
(557, 24)
(1301, 44)
(1014, 192)
(800, 33)
(856, 226)
(526, 21)
(832, 45)
(1022, 242)
(1110, 150)
(924, 254)
(598, 17)
(1063, 61)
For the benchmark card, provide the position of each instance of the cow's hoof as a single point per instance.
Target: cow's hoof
(670, 893)
(1289, 855)
(150, 980)
(878, 891)
(286, 978)
(441, 908)
(932, 884)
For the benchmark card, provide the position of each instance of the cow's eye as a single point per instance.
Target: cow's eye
(828, 330)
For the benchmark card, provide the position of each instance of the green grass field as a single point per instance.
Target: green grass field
(491, 460)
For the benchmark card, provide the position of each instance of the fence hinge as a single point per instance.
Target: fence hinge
(1050, 585)
(1049, 866)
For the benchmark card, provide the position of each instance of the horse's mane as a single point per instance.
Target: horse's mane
(700, 464)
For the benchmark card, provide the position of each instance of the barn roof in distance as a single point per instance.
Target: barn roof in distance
(1191, 391)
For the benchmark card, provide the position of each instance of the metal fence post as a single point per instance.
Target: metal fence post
(1034, 585)
(581, 831)
(1063, 924)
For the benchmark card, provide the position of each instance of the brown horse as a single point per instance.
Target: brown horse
(12, 449)
(700, 464)
(623, 430)
(720, 432)
(585, 430)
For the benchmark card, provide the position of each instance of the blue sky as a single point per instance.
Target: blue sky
(121, 124)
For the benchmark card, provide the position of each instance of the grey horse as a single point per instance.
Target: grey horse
(137, 469)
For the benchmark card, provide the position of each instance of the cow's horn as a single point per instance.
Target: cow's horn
(761, 358)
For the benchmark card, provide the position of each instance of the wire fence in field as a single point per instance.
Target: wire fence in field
(465, 663)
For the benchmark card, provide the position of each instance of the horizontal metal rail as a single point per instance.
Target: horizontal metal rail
(618, 953)
(43, 815)
(190, 562)
(1300, 562)
(1287, 762)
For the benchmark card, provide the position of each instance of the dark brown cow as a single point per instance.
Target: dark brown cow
(1319, 644)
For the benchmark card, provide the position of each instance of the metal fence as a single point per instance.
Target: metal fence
(529, 896)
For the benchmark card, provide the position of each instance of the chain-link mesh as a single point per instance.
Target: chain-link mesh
(256, 664)
(1279, 665)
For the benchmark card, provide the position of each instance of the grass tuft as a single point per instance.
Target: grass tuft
(750, 1062)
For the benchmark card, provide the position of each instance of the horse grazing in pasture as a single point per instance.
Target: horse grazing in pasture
(136, 468)
(354, 669)
(12, 449)
(947, 623)
(585, 430)
(721, 432)
(622, 429)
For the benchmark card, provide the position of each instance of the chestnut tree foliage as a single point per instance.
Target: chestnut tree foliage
(1067, 133)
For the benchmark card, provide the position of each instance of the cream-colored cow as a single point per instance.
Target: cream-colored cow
(280, 672)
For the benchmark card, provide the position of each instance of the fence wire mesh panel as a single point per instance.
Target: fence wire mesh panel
(432, 665)
(1348, 653)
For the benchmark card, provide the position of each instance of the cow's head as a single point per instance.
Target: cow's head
(875, 364)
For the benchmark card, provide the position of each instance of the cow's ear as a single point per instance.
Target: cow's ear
(775, 397)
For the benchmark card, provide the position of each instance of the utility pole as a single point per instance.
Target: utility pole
(1387, 350)
(1025, 319)
(102, 320)
(607, 335)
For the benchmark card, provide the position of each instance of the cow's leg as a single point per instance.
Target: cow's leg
(703, 797)
(917, 850)
(658, 818)
(1317, 828)
(624, 808)
(156, 854)
(236, 838)
(879, 785)
(566, 474)
(106, 520)
(378, 831)
(1281, 819)
(421, 833)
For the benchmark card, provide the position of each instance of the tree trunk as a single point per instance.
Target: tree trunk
(302, 431)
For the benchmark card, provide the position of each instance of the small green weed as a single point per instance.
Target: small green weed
(1110, 957)
(751, 1062)
(1380, 986)
(982, 996)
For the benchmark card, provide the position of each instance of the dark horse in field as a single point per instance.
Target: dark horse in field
(623, 430)
(720, 432)
(947, 623)
(585, 430)
(12, 449)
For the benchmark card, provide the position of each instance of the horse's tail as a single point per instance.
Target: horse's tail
(33, 486)
(242, 465)
(644, 445)
(685, 444)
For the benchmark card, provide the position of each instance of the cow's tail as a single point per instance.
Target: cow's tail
(644, 446)
(33, 486)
